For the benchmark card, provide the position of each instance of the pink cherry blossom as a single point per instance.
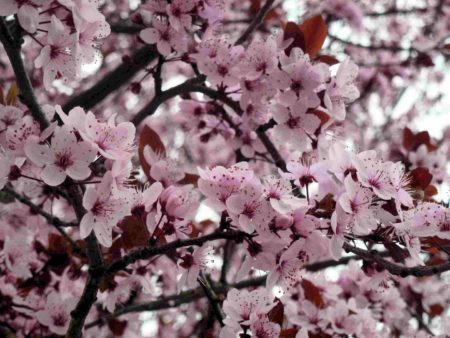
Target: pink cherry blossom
(104, 210)
(179, 13)
(112, 141)
(165, 37)
(342, 90)
(191, 265)
(219, 183)
(56, 315)
(64, 157)
(357, 201)
(295, 125)
(55, 57)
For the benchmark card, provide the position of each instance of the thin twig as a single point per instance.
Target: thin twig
(12, 45)
(257, 21)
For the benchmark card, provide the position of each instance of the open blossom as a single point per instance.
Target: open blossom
(27, 12)
(112, 141)
(241, 304)
(279, 192)
(357, 201)
(294, 125)
(192, 264)
(301, 78)
(219, 183)
(64, 157)
(179, 14)
(104, 210)
(304, 174)
(55, 58)
(165, 37)
(56, 314)
(373, 173)
(287, 266)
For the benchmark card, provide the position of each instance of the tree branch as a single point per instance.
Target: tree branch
(257, 21)
(395, 269)
(12, 47)
(153, 105)
(148, 252)
(114, 80)
(96, 269)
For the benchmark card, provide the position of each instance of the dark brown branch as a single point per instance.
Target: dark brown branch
(212, 297)
(153, 105)
(148, 252)
(125, 28)
(395, 269)
(371, 47)
(12, 47)
(96, 269)
(257, 21)
(113, 80)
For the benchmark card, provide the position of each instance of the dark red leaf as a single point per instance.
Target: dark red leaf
(276, 315)
(328, 59)
(420, 178)
(313, 293)
(315, 32)
(135, 233)
(292, 31)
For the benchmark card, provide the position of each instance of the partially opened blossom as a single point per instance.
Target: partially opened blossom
(9, 115)
(56, 314)
(65, 157)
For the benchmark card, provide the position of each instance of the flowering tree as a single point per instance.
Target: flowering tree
(231, 171)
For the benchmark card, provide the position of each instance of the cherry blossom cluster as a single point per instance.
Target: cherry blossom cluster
(67, 31)
(231, 181)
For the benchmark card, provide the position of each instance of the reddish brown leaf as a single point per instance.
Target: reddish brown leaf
(328, 59)
(292, 31)
(57, 244)
(2, 97)
(315, 32)
(117, 327)
(288, 333)
(313, 293)
(430, 191)
(412, 141)
(435, 310)
(189, 179)
(135, 233)
(323, 117)
(420, 178)
(276, 315)
(149, 137)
